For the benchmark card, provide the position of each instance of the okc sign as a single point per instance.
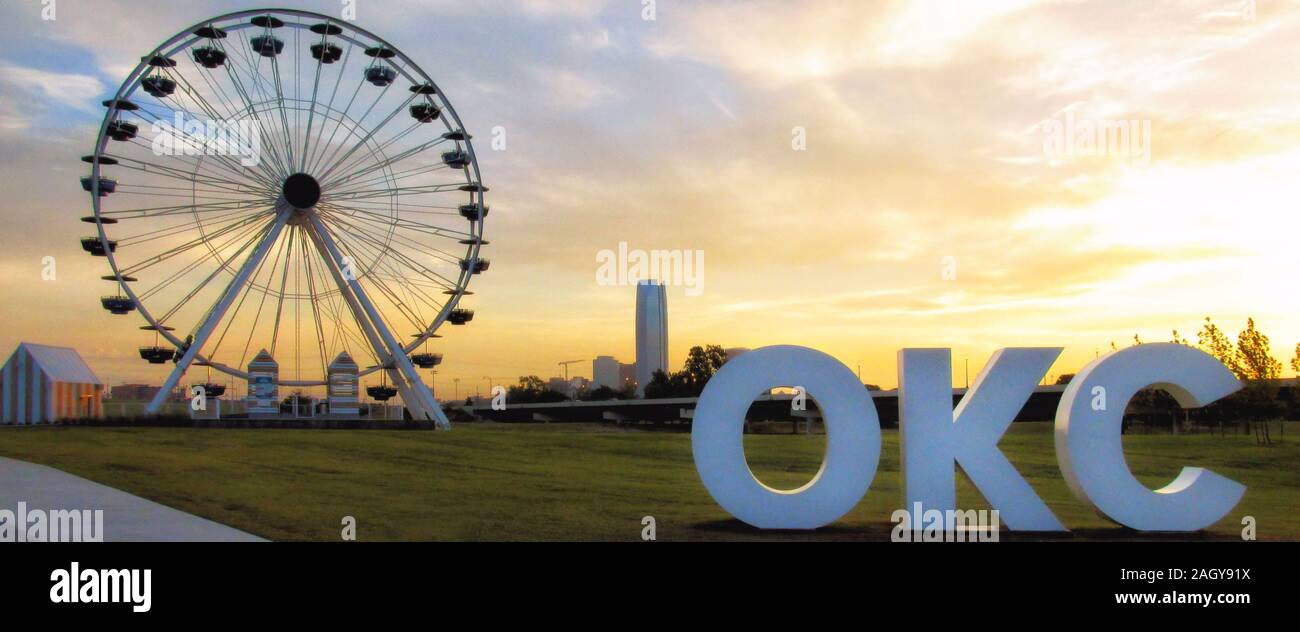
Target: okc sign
(936, 438)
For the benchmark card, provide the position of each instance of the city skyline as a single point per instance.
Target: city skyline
(929, 205)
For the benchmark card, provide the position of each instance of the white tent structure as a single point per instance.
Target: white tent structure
(43, 384)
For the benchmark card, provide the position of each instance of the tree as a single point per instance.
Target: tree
(1255, 358)
(532, 390)
(1179, 340)
(628, 391)
(1295, 362)
(1214, 342)
(601, 394)
(701, 363)
(659, 386)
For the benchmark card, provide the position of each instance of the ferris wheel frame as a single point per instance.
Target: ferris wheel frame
(393, 354)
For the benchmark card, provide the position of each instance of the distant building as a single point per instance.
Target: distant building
(604, 372)
(342, 388)
(558, 384)
(626, 374)
(570, 387)
(578, 385)
(263, 392)
(43, 384)
(133, 392)
(651, 332)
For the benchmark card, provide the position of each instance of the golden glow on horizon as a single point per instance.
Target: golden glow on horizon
(924, 142)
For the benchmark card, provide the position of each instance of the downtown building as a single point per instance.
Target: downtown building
(651, 332)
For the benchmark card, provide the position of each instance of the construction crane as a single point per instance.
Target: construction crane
(566, 364)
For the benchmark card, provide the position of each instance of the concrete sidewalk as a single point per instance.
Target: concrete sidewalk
(127, 518)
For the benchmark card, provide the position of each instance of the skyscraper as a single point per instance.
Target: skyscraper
(651, 332)
(604, 372)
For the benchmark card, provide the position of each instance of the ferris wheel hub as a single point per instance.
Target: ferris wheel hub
(301, 191)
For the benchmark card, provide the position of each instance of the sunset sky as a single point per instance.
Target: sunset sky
(925, 153)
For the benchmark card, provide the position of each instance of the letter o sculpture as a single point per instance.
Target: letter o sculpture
(852, 438)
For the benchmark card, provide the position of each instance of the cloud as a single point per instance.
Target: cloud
(778, 42)
(568, 89)
(68, 89)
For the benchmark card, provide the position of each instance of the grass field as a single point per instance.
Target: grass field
(566, 482)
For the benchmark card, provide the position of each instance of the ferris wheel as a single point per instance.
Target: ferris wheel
(284, 181)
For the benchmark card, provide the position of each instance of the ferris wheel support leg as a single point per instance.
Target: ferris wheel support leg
(219, 310)
(415, 393)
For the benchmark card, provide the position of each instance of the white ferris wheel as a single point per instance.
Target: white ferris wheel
(283, 180)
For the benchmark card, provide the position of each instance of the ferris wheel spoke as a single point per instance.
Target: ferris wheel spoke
(338, 80)
(259, 234)
(400, 208)
(196, 97)
(405, 190)
(388, 162)
(245, 237)
(324, 147)
(422, 249)
(385, 219)
(210, 80)
(315, 308)
(232, 165)
(129, 189)
(279, 307)
(415, 394)
(413, 289)
(217, 171)
(350, 246)
(277, 165)
(330, 162)
(187, 209)
(230, 321)
(389, 177)
(377, 279)
(361, 236)
(336, 164)
(153, 168)
(360, 231)
(257, 317)
(260, 83)
(325, 162)
(176, 229)
(311, 112)
(349, 336)
(359, 163)
(185, 247)
(384, 215)
(284, 120)
(218, 310)
(193, 189)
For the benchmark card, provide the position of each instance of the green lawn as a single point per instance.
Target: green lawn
(550, 482)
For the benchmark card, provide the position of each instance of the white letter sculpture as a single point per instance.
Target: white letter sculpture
(852, 438)
(934, 437)
(1091, 456)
